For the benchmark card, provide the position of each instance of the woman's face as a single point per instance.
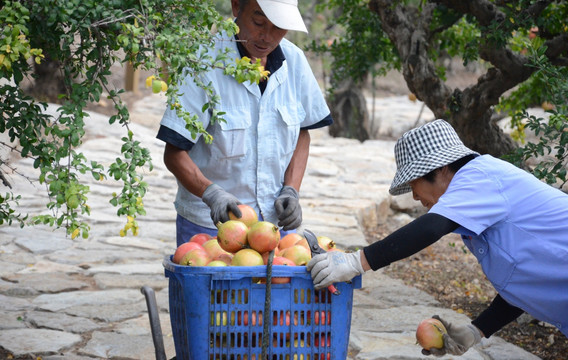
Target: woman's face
(428, 192)
(260, 37)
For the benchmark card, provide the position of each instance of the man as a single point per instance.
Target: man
(258, 156)
(514, 224)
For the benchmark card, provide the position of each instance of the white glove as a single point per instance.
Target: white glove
(458, 339)
(333, 267)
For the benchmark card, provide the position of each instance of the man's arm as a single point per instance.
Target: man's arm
(185, 170)
(287, 204)
(297, 167)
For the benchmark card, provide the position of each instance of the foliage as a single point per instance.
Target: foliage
(85, 38)
(521, 45)
(356, 52)
(551, 150)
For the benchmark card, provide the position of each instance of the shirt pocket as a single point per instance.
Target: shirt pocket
(291, 117)
(229, 136)
(498, 266)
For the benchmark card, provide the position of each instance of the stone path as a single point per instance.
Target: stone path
(80, 299)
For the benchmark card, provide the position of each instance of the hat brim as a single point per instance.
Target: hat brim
(285, 16)
(424, 165)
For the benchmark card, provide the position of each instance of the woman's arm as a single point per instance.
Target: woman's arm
(407, 240)
(496, 316)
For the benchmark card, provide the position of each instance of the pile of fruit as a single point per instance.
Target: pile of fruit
(246, 241)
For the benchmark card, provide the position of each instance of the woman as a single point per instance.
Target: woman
(515, 225)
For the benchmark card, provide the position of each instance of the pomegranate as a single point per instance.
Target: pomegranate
(326, 243)
(248, 215)
(303, 242)
(265, 255)
(195, 257)
(184, 248)
(280, 260)
(226, 258)
(200, 238)
(289, 240)
(253, 319)
(298, 254)
(247, 257)
(232, 235)
(429, 334)
(217, 263)
(219, 318)
(263, 236)
(214, 249)
(322, 315)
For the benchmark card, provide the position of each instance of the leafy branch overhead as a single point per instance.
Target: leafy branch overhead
(83, 39)
(522, 46)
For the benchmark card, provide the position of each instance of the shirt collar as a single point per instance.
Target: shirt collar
(274, 60)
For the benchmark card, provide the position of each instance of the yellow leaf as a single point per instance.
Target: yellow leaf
(149, 80)
(75, 233)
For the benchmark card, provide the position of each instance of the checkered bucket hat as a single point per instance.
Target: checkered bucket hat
(424, 149)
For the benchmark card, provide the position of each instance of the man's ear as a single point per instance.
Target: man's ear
(235, 6)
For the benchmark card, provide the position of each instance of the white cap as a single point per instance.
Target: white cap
(284, 14)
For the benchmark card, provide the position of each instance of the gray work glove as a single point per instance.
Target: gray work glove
(220, 202)
(288, 209)
(458, 339)
(333, 267)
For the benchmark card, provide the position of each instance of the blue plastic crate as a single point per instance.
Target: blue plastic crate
(217, 313)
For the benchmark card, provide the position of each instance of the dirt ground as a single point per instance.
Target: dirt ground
(450, 273)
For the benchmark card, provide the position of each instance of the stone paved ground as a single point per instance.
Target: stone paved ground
(80, 299)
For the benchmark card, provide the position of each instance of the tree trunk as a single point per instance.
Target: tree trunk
(469, 111)
(349, 112)
(48, 83)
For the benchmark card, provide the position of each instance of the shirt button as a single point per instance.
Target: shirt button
(481, 251)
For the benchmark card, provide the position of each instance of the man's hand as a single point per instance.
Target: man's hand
(458, 339)
(334, 266)
(220, 202)
(288, 209)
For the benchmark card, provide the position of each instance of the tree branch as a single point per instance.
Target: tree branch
(409, 31)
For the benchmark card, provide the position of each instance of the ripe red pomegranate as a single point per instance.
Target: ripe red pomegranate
(321, 315)
(247, 257)
(183, 249)
(232, 235)
(200, 238)
(298, 254)
(263, 236)
(280, 260)
(195, 257)
(289, 240)
(266, 254)
(248, 215)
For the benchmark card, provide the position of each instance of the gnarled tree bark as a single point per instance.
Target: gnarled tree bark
(469, 110)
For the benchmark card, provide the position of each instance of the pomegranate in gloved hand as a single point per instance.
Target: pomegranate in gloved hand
(429, 334)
